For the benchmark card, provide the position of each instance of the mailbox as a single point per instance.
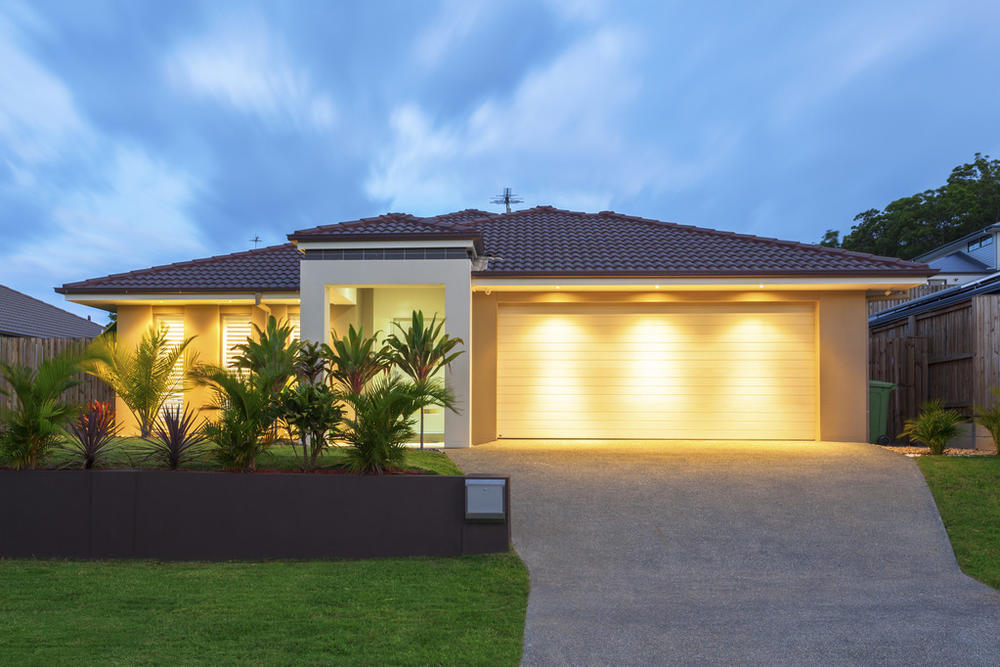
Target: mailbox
(485, 499)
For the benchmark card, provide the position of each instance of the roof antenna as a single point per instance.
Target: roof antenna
(255, 240)
(507, 198)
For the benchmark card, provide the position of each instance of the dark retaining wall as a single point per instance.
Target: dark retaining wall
(229, 516)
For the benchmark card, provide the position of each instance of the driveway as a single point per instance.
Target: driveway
(760, 553)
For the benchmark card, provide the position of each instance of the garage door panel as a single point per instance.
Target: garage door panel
(656, 371)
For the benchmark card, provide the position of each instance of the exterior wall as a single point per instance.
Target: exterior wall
(842, 331)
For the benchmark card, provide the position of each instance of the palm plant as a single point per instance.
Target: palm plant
(990, 419)
(355, 359)
(380, 425)
(933, 427)
(246, 416)
(176, 438)
(271, 352)
(35, 426)
(311, 414)
(92, 435)
(143, 376)
(421, 352)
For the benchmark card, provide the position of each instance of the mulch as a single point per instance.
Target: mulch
(913, 452)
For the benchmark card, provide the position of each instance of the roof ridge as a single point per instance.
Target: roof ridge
(174, 265)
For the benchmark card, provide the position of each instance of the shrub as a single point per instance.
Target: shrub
(311, 415)
(143, 376)
(990, 420)
(176, 439)
(35, 426)
(271, 352)
(92, 435)
(380, 425)
(355, 360)
(933, 427)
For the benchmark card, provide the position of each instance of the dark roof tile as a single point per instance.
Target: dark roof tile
(22, 315)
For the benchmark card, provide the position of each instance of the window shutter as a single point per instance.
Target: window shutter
(236, 329)
(293, 322)
(174, 324)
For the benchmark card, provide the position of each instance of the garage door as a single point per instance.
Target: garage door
(741, 371)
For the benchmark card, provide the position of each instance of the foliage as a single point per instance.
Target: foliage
(309, 408)
(310, 361)
(92, 435)
(933, 427)
(911, 226)
(35, 426)
(143, 376)
(422, 351)
(176, 438)
(380, 425)
(355, 359)
(246, 417)
(989, 418)
(271, 352)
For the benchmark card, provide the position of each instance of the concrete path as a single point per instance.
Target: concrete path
(745, 553)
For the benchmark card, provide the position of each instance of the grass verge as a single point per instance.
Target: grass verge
(467, 610)
(967, 492)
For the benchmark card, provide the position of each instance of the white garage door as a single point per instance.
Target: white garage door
(741, 371)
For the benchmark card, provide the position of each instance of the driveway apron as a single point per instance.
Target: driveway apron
(748, 553)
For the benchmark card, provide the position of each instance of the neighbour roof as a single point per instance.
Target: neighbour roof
(271, 269)
(549, 241)
(959, 262)
(22, 315)
(987, 285)
(957, 243)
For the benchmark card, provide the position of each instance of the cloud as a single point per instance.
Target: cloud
(561, 137)
(242, 64)
(454, 22)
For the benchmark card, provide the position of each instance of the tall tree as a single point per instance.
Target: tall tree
(911, 226)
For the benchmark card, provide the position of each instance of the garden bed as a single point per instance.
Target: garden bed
(184, 515)
(914, 451)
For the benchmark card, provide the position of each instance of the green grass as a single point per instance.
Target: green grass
(467, 610)
(278, 457)
(967, 491)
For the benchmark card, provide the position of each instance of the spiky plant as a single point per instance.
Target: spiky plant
(421, 352)
(142, 376)
(91, 436)
(379, 425)
(272, 351)
(177, 438)
(933, 427)
(989, 418)
(35, 425)
(355, 359)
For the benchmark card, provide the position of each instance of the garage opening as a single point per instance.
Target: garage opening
(684, 371)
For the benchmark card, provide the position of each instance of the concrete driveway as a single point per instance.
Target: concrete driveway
(715, 552)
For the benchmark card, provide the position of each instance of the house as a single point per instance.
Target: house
(941, 346)
(22, 316)
(577, 325)
(965, 259)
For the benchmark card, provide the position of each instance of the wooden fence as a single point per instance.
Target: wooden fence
(876, 304)
(902, 361)
(32, 351)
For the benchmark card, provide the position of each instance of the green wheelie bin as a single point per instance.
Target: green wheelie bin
(878, 411)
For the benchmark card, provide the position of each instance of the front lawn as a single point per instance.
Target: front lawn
(467, 610)
(967, 491)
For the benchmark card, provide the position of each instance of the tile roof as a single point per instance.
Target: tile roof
(271, 269)
(393, 224)
(22, 315)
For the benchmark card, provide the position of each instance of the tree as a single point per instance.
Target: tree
(911, 226)
(309, 409)
(143, 376)
(421, 352)
(831, 239)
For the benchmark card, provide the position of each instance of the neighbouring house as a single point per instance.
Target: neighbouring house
(23, 316)
(577, 325)
(944, 346)
(965, 259)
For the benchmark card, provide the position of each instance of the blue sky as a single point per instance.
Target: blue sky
(138, 133)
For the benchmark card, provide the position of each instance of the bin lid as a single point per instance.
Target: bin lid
(878, 384)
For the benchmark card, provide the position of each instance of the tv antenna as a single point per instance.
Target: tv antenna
(255, 240)
(507, 198)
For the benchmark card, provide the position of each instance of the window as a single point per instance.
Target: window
(235, 331)
(174, 324)
(981, 242)
(293, 322)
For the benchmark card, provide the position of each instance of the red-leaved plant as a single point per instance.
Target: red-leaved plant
(92, 434)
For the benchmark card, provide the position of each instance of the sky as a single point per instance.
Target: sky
(141, 133)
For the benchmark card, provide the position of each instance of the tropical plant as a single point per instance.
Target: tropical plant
(379, 425)
(91, 436)
(35, 425)
(310, 361)
(421, 352)
(989, 418)
(271, 352)
(355, 359)
(933, 427)
(311, 415)
(176, 438)
(143, 376)
(246, 419)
